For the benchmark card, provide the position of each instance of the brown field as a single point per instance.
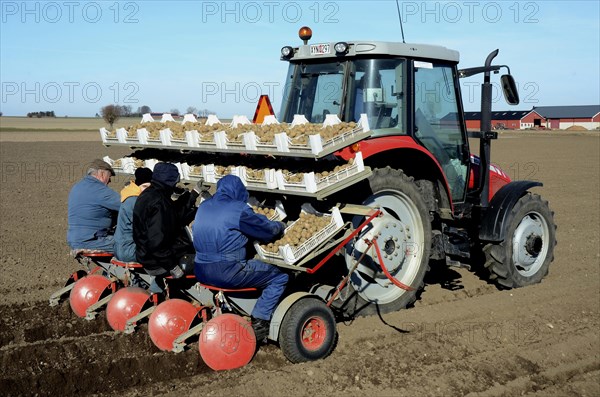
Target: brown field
(541, 340)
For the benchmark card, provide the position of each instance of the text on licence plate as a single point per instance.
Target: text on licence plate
(319, 49)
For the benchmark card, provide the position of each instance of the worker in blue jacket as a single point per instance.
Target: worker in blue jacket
(221, 230)
(92, 209)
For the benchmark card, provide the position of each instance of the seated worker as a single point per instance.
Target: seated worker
(159, 225)
(221, 230)
(92, 209)
(124, 244)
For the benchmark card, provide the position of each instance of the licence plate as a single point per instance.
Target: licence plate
(320, 49)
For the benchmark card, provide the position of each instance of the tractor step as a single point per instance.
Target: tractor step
(457, 243)
(457, 264)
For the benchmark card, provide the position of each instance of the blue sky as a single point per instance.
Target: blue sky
(74, 57)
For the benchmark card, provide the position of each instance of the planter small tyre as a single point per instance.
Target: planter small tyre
(523, 258)
(308, 331)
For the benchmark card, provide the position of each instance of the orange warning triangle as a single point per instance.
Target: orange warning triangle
(263, 108)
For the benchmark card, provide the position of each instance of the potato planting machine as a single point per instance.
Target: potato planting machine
(369, 162)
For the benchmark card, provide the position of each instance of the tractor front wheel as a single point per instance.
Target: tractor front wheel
(523, 258)
(308, 331)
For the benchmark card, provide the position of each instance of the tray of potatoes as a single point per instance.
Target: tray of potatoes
(301, 237)
(273, 213)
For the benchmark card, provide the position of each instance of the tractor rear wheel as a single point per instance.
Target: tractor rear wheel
(523, 258)
(307, 331)
(404, 238)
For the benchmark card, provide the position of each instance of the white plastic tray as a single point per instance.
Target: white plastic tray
(289, 255)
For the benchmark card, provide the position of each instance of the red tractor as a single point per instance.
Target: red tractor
(405, 190)
(438, 201)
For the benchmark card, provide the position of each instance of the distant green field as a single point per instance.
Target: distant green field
(60, 123)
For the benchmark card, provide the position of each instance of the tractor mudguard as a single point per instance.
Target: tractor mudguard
(495, 218)
(281, 310)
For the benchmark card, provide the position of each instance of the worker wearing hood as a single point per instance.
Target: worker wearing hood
(159, 223)
(221, 230)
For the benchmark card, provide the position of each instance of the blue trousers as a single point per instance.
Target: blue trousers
(106, 243)
(246, 274)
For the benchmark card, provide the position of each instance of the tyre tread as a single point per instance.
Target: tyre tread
(495, 254)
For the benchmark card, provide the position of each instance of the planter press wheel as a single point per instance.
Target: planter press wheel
(88, 291)
(227, 342)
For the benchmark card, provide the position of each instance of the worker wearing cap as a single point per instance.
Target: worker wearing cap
(92, 209)
(124, 244)
(221, 231)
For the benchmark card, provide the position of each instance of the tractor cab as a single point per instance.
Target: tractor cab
(404, 90)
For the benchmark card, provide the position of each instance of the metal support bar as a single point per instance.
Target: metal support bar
(179, 343)
(90, 313)
(375, 213)
(355, 209)
(132, 322)
(342, 283)
(323, 248)
(55, 297)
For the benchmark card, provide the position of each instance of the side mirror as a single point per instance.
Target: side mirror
(511, 94)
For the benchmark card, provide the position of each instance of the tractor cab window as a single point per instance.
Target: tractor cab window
(437, 122)
(376, 88)
(313, 90)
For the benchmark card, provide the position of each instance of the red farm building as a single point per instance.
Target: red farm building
(550, 117)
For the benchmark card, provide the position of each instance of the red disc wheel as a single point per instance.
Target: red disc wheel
(227, 342)
(125, 304)
(313, 333)
(170, 319)
(86, 292)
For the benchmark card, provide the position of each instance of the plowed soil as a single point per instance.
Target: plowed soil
(463, 337)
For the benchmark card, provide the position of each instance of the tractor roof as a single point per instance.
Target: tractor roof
(370, 48)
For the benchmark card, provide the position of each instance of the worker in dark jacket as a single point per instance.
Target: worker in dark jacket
(159, 224)
(221, 230)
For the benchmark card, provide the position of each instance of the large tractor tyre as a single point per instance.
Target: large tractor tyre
(404, 238)
(523, 258)
(308, 331)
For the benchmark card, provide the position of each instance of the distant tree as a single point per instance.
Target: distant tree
(125, 110)
(174, 112)
(0, 114)
(97, 115)
(39, 115)
(191, 110)
(205, 113)
(110, 114)
(144, 109)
